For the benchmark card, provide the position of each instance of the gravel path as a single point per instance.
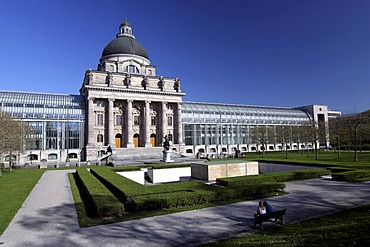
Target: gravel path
(48, 216)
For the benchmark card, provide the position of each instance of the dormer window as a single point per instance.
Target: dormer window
(131, 69)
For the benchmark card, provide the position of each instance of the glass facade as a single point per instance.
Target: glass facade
(57, 119)
(222, 124)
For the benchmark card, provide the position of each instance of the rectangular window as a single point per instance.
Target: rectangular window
(136, 120)
(99, 120)
(118, 120)
(169, 120)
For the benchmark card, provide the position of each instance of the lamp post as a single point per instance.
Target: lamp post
(221, 134)
(99, 154)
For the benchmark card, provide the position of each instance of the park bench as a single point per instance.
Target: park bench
(277, 215)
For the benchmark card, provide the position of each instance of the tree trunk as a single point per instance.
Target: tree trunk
(355, 144)
(10, 162)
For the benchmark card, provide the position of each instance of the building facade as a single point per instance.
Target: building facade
(124, 104)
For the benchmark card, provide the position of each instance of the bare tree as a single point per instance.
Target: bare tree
(260, 135)
(305, 136)
(337, 130)
(12, 135)
(355, 126)
(316, 133)
(284, 136)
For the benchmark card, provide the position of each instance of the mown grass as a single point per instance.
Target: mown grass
(325, 158)
(14, 188)
(346, 228)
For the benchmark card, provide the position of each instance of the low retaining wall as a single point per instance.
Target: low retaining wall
(210, 171)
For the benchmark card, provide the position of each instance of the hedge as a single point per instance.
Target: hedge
(198, 196)
(272, 177)
(137, 197)
(351, 176)
(102, 203)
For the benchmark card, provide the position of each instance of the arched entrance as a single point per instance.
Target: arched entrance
(152, 139)
(136, 140)
(118, 140)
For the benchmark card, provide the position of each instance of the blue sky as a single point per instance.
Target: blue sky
(263, 52)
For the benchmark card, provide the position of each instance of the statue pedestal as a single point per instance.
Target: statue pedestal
(167, 156)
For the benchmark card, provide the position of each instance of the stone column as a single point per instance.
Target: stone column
(194, 134)
(129, 134)
(147, 124)
(110, 141)
(90, 122)
(179, 124)
(164, 120)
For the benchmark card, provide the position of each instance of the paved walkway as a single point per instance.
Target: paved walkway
(48, 216)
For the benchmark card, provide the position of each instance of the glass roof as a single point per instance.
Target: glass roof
(211, 112)
(41, 105)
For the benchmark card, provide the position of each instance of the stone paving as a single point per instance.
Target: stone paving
(48, 216)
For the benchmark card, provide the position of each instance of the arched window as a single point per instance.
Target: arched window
(153, 120)
(170, 137)
(99, 138)
(52, 156)
(72, 156)
(131, 69)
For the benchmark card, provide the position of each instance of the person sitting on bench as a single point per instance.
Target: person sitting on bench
(268, 207)
(261, 209)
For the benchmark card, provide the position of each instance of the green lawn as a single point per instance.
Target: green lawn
(347, 228)
(14, 188)
(325, 157)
